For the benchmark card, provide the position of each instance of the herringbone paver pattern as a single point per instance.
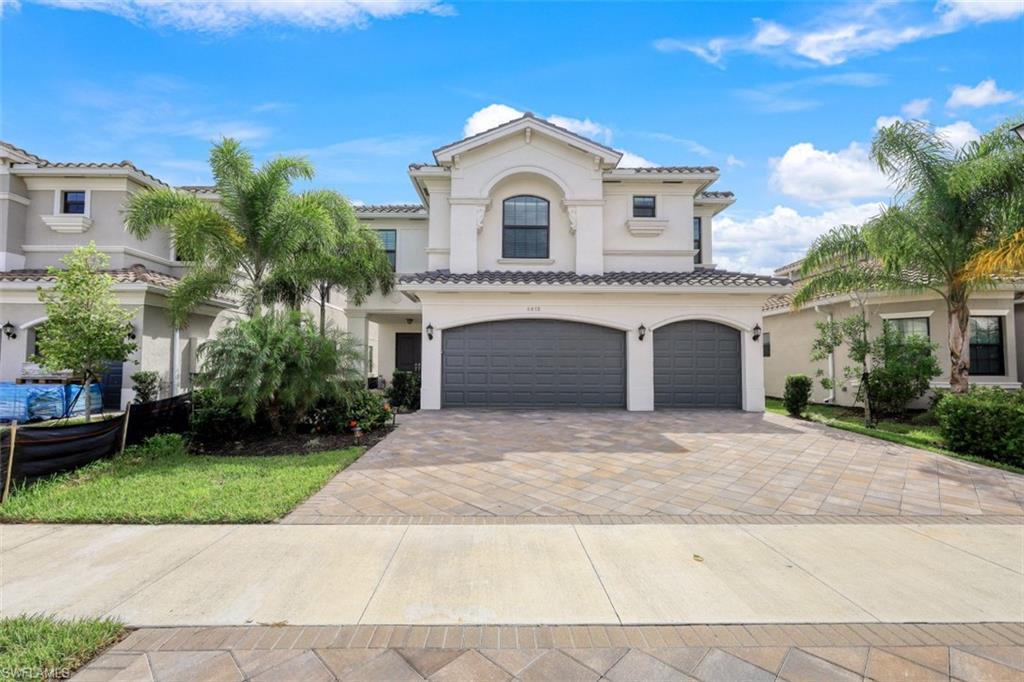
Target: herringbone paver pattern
(565, 466)
(715, 653)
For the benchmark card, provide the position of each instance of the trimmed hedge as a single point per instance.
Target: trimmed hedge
(797, 393)
(986, 422)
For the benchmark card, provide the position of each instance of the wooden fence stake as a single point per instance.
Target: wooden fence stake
(10, 463)
(124, 427)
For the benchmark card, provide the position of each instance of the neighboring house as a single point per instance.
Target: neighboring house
(539, 274)
(46, 210)
(996, 335)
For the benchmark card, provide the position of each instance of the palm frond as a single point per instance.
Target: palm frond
(911, 154)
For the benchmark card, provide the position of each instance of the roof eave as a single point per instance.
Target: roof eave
(31, 170)
(447, 152)
(767, 291)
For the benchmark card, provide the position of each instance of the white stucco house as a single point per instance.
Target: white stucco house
(537, 273)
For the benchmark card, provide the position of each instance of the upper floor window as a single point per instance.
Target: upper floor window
(986, 337)
(73, 202)
(389, 240)
(524, 227)
(697, 242)
(643, 207)
(906, 326)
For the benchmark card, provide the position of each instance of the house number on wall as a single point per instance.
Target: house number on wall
(533, 308)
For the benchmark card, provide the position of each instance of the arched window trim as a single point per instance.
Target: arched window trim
(509, 249)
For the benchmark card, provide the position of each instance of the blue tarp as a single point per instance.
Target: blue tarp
(34, 402)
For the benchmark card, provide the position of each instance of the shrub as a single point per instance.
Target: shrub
(797, 393)
(902, 368)
(277, 366)
(215, 420)
(158, 447)
(987, 422)
(353, 402)
(145, 386)
(404, 391)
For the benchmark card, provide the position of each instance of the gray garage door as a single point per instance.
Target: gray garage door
(697, 364)
(533, 363)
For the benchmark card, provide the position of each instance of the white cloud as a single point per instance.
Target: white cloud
(491, 116)
(631, 160)
(794, 95)
(780, 236)
(916, 108)
(822, 177)
(846, 32)
(733, 161)
(984, 94)
(958, 134)
(584, 127)
(886, 121)
(225, 16)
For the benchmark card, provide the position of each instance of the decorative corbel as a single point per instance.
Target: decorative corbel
(478, 217)
(573, 218)
(528, 131)
(456, 160)
(597, 162)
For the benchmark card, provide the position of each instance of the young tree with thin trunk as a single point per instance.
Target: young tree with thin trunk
(86, 328)
(951, 206)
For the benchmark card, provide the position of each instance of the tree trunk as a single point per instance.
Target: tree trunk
(88, 398)
(323, 317)
(959, 348)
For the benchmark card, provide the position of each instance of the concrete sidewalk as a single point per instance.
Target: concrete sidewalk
(553, 574)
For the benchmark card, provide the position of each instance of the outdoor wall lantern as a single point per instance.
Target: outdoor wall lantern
(641, 331)
(9, 330)
(430, 332)
(130, 331)
(757, 332)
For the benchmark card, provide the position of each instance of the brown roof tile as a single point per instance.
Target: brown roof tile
(137, 274)
(699, 277)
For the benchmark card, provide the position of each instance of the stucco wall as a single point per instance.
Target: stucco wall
(410, 241)
(561, 244)
(793, 334)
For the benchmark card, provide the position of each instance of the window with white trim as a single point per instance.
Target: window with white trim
(72, 202)
(525, 221)
(907, 326)
(986, 344)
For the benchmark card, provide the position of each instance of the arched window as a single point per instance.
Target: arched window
(524, 227)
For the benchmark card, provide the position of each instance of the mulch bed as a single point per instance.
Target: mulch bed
(294, 443)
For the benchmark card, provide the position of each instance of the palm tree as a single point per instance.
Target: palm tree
(236, 244)
(355, 261)
(951, 206)
(1005, 258)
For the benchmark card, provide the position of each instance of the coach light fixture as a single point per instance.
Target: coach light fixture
(641, 331)
(430, 332)
(1019, 130)
(757, 332)
(130, 332)
(9, 330)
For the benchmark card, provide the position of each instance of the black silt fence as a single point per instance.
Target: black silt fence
(170, 415)
(39, 452)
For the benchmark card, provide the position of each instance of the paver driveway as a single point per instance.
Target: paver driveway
(617, 466)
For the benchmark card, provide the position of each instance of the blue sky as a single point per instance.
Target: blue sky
(783, 97)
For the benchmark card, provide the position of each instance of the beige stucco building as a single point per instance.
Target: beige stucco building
(537, 272)
(997, 336)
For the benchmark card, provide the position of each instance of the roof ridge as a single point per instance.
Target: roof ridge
(531, 116)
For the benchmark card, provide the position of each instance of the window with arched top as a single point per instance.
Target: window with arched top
(525, 222)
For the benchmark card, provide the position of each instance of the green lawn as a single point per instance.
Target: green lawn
(162, 483)
(924, 436)
(41, 648)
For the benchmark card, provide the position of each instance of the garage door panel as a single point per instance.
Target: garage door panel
(697, 364)
(533, 363)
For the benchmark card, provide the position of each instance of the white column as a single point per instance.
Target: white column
(753, 372)
(587, 215)
(639, 371)
(430, 369)
(465, 218)
(359, 330)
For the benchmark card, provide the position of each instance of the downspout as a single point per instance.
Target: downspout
(175, 351)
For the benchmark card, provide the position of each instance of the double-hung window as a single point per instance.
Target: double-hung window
(524, 227)
(389, 240)
(643, 207)
(986, 343)
(907, 326)
(73, 202)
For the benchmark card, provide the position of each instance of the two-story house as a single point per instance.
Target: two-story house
(537, 273)
(49, 208)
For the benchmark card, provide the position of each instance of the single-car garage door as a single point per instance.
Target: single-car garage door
(533, 363)
(697, 364)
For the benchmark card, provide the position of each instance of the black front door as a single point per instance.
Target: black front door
(407, 351)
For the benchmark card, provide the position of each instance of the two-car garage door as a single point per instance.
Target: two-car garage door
(533, 363)
(557, 363)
